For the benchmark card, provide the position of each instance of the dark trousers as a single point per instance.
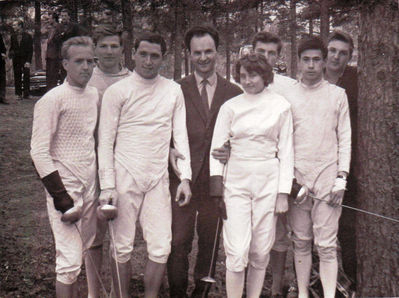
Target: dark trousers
(347, 231)
(19, 69)
(184, 220)
(2, 80)
(52, 72)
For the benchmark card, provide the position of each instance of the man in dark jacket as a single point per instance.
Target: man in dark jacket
(340, 50)
(21, 51)
(204, 92)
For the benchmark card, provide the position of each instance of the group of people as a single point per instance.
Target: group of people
(197, 155)
(21, 51)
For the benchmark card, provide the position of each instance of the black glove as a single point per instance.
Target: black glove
(296, 187)
(55, 187)
(216, 193)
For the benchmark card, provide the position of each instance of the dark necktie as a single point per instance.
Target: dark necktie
(204, 95)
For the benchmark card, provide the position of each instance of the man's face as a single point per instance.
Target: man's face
(148, 58)
(64, 17)
(269, 50)
(338, 55)
(79, 65)
(203, 54)
(311, 65)
(17, 27)
(109, 52)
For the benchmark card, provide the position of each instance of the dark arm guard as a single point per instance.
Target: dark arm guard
(55, 187)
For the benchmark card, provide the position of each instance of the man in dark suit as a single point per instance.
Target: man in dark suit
(204, 92)
(21, 51)
(3, 55)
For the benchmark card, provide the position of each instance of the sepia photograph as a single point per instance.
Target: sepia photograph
(199, 148)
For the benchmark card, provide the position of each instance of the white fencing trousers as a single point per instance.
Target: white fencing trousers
(68, 241)
(250, 195)
(152, 207)
(316, 220)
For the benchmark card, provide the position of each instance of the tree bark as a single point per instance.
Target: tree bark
(293, 38)
(178, 40)
(128, 33)
(227, 44)
(37, 37)
(378, 147)
(324, 19)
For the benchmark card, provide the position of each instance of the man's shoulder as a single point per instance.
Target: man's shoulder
(186, 80)
(350, 72)
(230, 88)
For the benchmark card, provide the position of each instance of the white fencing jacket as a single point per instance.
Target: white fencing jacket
(322, 130)
(102, 80)
(138, 117)
(64, 122)
(259, 127)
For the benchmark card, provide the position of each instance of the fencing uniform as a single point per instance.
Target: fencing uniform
(322, 138)
(281, 84)
(63, 140)
(138, 118)
(259, 128)
(102, 80)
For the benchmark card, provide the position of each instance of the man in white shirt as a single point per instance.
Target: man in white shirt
(108, 51)
(139, 115)
(322, 145)
(63, 151)
(270, 45)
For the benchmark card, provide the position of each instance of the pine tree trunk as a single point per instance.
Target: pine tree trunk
(178, 40)
(324, 20)
(227, 40)
(37, 36)
(378, 147)
(293, 38)
(128, 33)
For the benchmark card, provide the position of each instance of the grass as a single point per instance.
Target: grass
(27, 255)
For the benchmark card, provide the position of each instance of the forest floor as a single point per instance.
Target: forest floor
(27, 255)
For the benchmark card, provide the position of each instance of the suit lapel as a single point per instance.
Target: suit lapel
(195, 97)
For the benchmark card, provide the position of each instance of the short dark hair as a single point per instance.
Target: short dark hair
(200, 31)
(104, 30)
(312, 43)
(267, 37)
(152, 38)
(342, 36)
(257, 63)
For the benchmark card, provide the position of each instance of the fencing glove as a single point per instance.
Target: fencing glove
(55, 187)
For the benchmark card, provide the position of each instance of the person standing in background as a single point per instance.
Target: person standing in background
(340, 49)
(21, 52)
(108, 51)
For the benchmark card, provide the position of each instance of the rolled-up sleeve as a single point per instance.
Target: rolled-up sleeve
(107, 129)
(285, 153)
(45, 120)
(344, 135)
(221, 134)
(180, 137)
